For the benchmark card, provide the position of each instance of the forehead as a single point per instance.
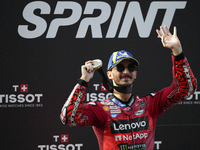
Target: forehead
(126, 62)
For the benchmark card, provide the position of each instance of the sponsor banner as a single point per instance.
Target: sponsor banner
(100, 93)
(61, 142)
(20, 96)
(157, 145)
(45, 42)
(194, 99)
(132, 13)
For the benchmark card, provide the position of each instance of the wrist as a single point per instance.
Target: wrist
(85, 78)
(179, 57)
(176, 52)
(176, 49)
(83, 82)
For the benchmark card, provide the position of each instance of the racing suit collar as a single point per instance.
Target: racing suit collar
(122, 103)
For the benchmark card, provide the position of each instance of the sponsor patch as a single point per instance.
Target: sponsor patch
(106, 108)
(114, 107)
(139, 112)
(114, 111)
(114, 115)
(131, 102)
(142, 104)
(126, 126)
(107, 103)
(140, 146)
(127, 109)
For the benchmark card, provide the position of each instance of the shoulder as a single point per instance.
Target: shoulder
(146, 98)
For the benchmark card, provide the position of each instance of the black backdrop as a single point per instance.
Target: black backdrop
(38, 72)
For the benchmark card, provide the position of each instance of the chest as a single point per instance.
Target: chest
(123, 119)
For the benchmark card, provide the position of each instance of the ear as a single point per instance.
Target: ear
(135, 74)
(109, 74)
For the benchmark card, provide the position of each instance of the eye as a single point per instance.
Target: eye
(120, 68)
(131, 67)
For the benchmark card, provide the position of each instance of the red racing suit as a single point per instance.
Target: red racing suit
(128, 126)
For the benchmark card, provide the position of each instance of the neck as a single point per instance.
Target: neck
(122, 96)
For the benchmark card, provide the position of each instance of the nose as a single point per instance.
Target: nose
(126, 70)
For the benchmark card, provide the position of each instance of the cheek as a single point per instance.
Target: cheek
(114, 75)
(134, 74)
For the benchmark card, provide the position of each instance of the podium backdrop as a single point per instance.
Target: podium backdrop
(44, 43)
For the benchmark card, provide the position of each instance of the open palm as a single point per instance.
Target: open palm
(170, 41)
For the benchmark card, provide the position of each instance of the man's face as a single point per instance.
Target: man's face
(124, 78)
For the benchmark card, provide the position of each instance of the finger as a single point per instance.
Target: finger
(88, 65)
(163, 31)
(175, 31)
(87, 62)
(159, 34)
(91, 67)
(163, 41)
(167, 30)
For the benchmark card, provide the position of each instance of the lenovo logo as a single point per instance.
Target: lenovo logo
(127, 126)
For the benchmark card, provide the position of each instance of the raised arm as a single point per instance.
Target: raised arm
(184, 82)
(72, 111)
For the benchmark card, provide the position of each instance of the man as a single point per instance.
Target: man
(125, 121)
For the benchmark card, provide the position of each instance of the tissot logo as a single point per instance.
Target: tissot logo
(20, 96)
(125, 126)
(61, 143)
(122, 13)
(64, 138)
(192, 100)
(100, 93)
(23, 88)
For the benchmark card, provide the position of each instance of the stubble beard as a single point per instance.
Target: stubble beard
(126, 84)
